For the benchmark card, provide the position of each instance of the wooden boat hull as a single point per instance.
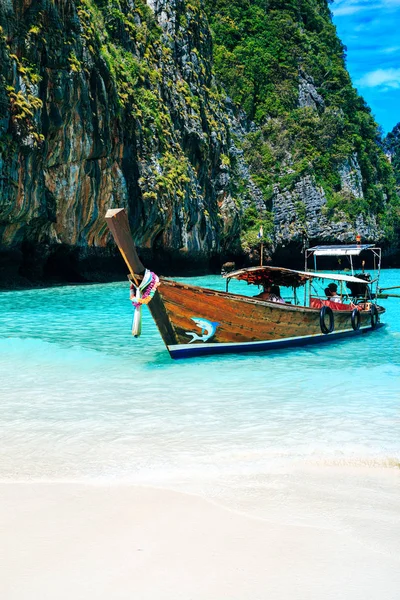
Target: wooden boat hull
(195, 321)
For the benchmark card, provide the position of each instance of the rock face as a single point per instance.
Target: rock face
(392, 149)
(108, 104)
(301, 220)
(308, 95)
(104, 109)
(351, 178)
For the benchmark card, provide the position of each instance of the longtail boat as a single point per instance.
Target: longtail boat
(195, 321)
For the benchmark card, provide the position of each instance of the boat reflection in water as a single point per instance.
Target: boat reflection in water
(194, 321)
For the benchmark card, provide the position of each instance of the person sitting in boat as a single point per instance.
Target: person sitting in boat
(266, 293)
(270, 293)
(333, 294)
(276, 294)
(360, 290)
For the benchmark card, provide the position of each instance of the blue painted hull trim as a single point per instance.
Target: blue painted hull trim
(187, 351)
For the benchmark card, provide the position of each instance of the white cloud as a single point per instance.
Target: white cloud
(390, 50)
(347, 10)
(390, 78)
(351, 7)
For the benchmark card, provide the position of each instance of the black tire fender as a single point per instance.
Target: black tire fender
(374, 316)
(326, 310)
(355, 319)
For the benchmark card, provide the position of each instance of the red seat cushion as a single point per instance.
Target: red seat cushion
(317, 303)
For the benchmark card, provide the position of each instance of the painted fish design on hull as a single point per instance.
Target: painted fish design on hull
(208, 329)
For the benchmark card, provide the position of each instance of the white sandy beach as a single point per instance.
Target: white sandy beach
(119, 542)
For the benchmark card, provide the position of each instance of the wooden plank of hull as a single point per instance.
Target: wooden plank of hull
(241, 320)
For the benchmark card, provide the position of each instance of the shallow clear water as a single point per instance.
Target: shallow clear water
(81, 399)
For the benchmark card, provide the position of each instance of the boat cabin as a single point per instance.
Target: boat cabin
(314, 289)
(346, 256)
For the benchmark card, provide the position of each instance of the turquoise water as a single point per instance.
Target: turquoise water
(82, 400)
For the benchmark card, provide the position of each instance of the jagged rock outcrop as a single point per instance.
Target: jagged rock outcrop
(391, 146)
(351, 177)
(301, 218)
(308, 95)
(301, 215)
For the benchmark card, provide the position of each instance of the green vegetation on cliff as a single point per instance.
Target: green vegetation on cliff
(281, 61)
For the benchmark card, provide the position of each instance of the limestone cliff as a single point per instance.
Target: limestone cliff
(311, 144)
(107, 103)
(111, 104)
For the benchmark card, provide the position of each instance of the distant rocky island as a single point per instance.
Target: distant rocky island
(205, 119)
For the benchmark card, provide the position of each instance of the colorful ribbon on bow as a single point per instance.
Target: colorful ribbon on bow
(142, 294)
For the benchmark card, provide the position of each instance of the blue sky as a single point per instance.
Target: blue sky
(371, 31)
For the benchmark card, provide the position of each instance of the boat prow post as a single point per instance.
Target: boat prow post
(118, 223)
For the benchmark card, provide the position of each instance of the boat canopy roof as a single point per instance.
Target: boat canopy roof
(345, 250)
(285, 277)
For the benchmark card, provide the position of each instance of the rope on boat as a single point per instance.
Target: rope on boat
(142, 294)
